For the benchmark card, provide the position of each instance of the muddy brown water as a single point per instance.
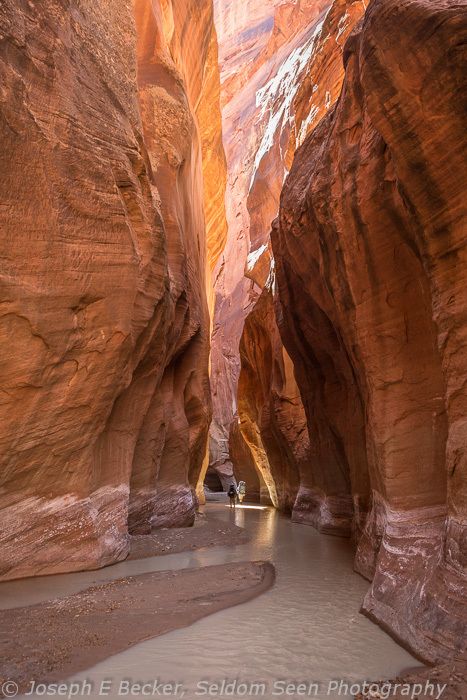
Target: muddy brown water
(306, 631)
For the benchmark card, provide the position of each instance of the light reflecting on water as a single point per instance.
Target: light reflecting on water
(245, 507)
(307, 627)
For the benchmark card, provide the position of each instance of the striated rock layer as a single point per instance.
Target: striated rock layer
(281, 70)
(179, 99)
(371, 258)
(306, 86)
(273, 421)
(104, 371)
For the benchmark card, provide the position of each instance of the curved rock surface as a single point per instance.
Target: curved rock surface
(371, 257)
(294, 104)
(273, 421)
(178, 93)
(284, 68)
(105, 392)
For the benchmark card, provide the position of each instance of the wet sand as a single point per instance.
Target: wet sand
(304, 628)
(53, 640)
(204, 533)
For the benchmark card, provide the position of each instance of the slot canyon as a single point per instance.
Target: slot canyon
(234, 248)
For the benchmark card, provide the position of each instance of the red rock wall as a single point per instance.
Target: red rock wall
(266, 55)
(104, 323)
(273, 422)
(294, 101)
(179, 96)
(243, 30)
(371, 271)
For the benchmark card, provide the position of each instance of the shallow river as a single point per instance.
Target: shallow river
(306, 628)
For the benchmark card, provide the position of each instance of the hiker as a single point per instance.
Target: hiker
(241, 491)
(232, 494)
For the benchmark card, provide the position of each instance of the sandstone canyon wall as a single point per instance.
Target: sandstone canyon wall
(105, 332)
(371, 259)
(281, 70)
(179, 89)
(273, 421)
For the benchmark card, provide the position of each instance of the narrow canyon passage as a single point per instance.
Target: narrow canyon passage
(233, 248)
(305, 627)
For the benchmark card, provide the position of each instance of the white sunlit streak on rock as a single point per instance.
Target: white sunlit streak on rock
(283, 85)
(306, 125)
(254, 256)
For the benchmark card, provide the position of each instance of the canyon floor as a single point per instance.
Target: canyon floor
(205, 533)
(55, 639)
(307, 626)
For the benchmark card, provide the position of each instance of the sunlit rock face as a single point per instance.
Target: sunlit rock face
(273, 421)
(104, 369)
(272, 57)
(370, 256)
(179, 87)
(243, 30)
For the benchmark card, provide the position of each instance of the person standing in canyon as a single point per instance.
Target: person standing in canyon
(232, 494)
(241, 491)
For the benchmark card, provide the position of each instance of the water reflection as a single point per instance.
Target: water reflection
(306, 628)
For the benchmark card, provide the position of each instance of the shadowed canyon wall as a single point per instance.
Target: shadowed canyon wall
(370, 253)
(281, 70)
(106, 112)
